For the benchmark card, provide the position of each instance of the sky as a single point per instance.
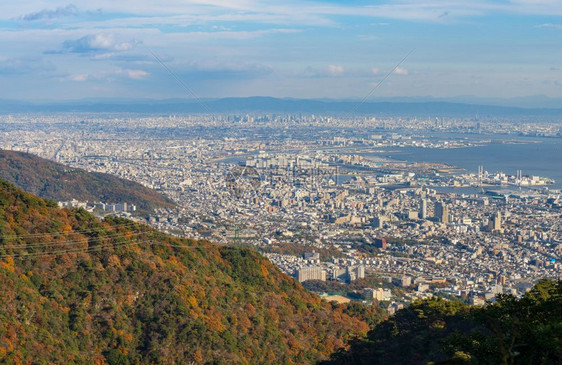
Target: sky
(60, 50)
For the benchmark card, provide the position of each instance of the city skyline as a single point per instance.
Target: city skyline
(72, 50)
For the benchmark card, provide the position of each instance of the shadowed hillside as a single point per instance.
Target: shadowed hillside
(52, 180)
(435, 331)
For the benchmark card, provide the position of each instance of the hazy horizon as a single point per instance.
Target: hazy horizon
(413, 106)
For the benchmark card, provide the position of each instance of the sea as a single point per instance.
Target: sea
(534, 156)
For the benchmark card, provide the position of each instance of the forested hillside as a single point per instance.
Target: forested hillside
(52, 180)
(74, 289)
(435, 331)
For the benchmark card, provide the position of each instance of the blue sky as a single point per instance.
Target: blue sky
(60, 50)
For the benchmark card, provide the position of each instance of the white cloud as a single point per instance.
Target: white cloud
(78, 77)
(133, 74)
(189, 34)
(95, 43)
(550, 25)
(108, 75)
(335, 70)
(219, 65)
(233, 35)
(305, 13)
(62, 11)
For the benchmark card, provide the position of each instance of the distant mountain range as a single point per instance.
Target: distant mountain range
(56, 181)
(404, 106)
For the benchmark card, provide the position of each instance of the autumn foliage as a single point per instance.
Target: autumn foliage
(75, 289)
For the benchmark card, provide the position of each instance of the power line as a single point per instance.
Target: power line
(75, 250)
(180, 81)
(380, 82)
(58, 243)
(81, 232)
(93, 249)
(172, 245)
(31, 235)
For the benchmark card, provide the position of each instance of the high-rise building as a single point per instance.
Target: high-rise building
(311, 273)
(406, 281)
(380, 243)
(497, 289)
(423, 210)
(339, 273)
(378, 221)
(374, 294)
(355, 272)
(442, 212)
(412, 214)
(496, 222)
(311, 255)
(502, 279)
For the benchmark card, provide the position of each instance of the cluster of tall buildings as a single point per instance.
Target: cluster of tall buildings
(323, 273)
(103, 207)
(305, 201)
(442, 212)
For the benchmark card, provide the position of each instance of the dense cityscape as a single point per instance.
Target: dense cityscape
(299, 182)
(322, 199)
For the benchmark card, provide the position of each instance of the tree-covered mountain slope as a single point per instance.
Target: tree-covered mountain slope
(74, 289)
(435, 331)
(52, 180)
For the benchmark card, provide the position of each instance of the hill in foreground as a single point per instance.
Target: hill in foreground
(75, 289)
(52, 180)
(435, 331)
